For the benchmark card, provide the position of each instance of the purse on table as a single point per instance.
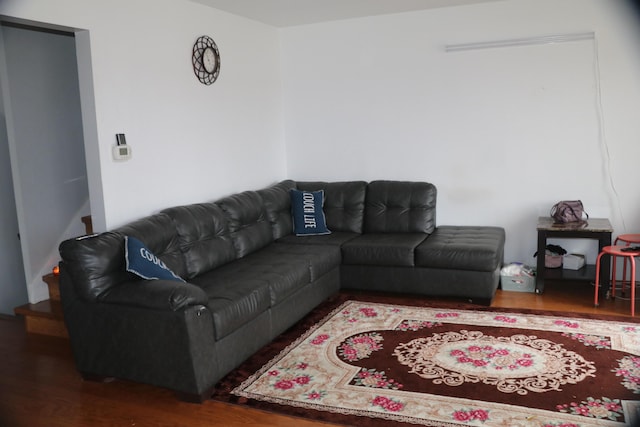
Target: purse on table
(568, 211)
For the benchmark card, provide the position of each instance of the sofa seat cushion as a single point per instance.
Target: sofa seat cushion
(320, 258)
(462, 248)
(233, 300)
(283, 274)
(336, 238)
(394, 249)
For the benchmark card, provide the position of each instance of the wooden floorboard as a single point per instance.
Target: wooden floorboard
(39, 385)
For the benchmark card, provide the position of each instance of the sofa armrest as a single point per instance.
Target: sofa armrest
(155, 294)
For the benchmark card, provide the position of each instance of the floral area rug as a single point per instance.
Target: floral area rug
(407, 365)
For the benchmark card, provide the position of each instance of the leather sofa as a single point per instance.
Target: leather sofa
(248, 278)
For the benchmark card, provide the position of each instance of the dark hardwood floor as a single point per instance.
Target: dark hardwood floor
(39, 385)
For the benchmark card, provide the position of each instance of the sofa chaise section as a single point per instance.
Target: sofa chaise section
(403, 251)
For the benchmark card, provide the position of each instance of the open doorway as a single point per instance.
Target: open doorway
(44, 137)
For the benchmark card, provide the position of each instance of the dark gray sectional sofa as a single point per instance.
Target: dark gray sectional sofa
(248, 277)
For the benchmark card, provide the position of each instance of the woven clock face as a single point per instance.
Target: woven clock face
(206, 60)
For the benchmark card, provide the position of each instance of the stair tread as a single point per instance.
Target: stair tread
(53, 283)
(46, 317)
(48, 308)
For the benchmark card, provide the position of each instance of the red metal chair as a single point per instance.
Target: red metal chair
(624, 240)
(630, 255)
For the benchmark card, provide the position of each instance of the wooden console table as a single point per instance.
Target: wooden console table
(595, 228)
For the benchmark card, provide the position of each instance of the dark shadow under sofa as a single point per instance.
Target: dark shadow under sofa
(248, 277)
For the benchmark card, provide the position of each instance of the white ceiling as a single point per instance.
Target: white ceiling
(286, 13)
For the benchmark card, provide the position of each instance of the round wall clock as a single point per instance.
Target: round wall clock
(206, 60)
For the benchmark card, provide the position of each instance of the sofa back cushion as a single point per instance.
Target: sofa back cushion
(277, 203)
(205, 239)
(158, 233)
(97, 263)
(94, 263)
(248, 222)
(343, 204)
(140, 261)
(308, 213)
(400, 207)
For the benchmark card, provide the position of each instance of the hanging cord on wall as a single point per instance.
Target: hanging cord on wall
(602, 138)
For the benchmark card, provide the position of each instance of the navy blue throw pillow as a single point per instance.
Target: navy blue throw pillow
(142, 262)
(307, 213)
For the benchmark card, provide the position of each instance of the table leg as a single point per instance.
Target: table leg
(542, 244)
(605, 268)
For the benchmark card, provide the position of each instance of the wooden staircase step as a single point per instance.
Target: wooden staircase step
(44, 318)
(53, 283)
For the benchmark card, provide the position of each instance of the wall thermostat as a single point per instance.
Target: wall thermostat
(121, 151)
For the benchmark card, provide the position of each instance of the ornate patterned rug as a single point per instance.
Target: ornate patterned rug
(407, 365)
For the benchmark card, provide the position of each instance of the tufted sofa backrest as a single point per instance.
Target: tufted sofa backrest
(400, 207)
(159, 235)
(248, 222)
(205, 239)
(344, 203)
(277, 202)
(96, 263)
(196, 238)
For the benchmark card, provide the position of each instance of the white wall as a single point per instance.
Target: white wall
(13, 289)
(502, 133)
(373, 98)
(190, 142)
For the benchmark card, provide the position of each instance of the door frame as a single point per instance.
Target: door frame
(36, 290)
